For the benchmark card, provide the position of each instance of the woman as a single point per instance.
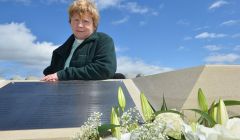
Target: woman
(87, 54)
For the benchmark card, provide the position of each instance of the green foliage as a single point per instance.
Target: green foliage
(114, 120)
(104, 129)
(121, 121)
(206, 116)
(230, 102)
(216, 114)
(169, 111)
(155, 124)
(164, 109)
(164, 105)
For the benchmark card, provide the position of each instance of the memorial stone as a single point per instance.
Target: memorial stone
(43, 105)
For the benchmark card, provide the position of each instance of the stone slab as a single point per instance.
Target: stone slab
(43, 105)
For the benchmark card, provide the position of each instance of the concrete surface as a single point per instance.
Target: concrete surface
(180, 87)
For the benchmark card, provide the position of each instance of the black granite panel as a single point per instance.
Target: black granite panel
(41, 105)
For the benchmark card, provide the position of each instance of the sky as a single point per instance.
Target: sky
(150, 36)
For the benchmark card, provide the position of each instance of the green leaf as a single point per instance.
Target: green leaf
(169, 111)
(238, 116)
(121, 99)
(202, 101)
(164, 105)
(104, 129)
(147, 110)
(230, 102)
(205, 116)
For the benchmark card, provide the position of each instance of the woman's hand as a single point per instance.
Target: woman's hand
(50, 77)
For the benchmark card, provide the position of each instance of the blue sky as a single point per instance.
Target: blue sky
(151, 36)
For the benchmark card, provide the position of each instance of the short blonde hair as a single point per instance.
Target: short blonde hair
(84, 6)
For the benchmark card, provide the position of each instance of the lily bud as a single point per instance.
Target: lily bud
(121, 99)
(222, 115)
(114, 120)
(202, 101)
(146, 108)
(213, 111)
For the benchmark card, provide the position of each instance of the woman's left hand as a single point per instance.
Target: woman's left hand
(50, 77)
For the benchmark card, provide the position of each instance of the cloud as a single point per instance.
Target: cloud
(121, 49)
(222, 58)
(134, 7)
(132, 67)
(237, 48)
(217, 4)
(201, 28)
(121, 21)
(212, 47)
(18, 45)
(187, 38)
(230, 23)
(180, 48)
(236, 35)
(183, 22)
(205, 35)
(142, 23)
(104, 4)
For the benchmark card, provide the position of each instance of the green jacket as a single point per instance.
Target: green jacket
(94, 59)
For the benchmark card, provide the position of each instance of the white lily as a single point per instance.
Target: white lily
(173, 124)
(125, 136)
(229, 131)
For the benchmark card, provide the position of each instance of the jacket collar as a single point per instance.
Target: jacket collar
(93, 36)
(66, 47)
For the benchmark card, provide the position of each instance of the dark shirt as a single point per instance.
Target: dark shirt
(94, 59)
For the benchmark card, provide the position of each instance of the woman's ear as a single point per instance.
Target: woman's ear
(95, 29)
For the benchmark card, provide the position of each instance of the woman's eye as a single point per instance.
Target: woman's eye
(86, 21)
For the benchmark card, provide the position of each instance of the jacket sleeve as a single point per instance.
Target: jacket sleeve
(49, 69)
(54, 65)
(103, 66)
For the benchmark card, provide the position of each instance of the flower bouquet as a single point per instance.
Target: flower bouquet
(165, 124)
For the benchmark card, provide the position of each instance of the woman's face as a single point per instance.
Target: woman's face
(82, 27)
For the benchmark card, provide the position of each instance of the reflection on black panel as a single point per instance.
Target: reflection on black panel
(41, 105)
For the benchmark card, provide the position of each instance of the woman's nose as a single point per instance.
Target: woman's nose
(80, 24)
